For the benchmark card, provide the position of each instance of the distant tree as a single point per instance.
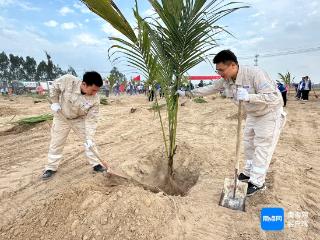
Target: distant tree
(115, 76)
(30, 69)
(42, 71)
(201, 84)
(16, 68)
(4, 66)
(50, 73)
(21, 73)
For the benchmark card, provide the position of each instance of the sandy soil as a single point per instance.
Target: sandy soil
(78, 204)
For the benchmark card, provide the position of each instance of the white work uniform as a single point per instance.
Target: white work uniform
(81, 111)
(265, 117)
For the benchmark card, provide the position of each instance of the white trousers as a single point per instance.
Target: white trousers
(261, 135)
(59, 134)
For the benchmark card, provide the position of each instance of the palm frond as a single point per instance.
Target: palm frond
(108, 10)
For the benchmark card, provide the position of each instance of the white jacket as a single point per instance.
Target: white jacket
(264, 95)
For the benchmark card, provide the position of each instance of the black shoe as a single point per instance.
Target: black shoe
(99, 168)
(243, 178)
(252, 189)
(48, 174)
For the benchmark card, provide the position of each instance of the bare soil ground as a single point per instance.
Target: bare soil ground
(78, 204)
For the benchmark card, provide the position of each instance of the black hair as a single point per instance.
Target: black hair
(225, 56)
(92, 78)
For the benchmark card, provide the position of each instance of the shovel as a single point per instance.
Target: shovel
(234, 192)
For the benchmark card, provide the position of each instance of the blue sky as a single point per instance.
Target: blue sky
(74, 36)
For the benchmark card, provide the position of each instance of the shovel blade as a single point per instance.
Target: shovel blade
(238, 201)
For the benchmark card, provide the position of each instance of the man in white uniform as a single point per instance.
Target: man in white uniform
(265, 116)
(79, 102)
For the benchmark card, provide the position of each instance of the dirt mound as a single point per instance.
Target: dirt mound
(92, 211)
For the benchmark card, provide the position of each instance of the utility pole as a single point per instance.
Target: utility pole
(256, 60)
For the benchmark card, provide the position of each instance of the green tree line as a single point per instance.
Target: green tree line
(14, 67)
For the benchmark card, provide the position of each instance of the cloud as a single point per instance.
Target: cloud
(24, 5)
(65, 10)
(12, 42)
(82, 8)
(51, 23)
(86, 39)
(68, 25)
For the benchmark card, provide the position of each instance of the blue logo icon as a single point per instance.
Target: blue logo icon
(272, 219)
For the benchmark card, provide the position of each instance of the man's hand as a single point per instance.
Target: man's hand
(242, 94)
(181, 93)
(55, 107)
(89, 143)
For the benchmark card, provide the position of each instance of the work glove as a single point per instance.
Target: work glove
(242, 94)
(181, 93)
(89, 143)
(55, 107)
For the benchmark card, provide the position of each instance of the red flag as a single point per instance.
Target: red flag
(137, 78)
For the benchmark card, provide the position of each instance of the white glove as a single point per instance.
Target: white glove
(55, 107)
(89, 143)
(181, 93)
(242, 94)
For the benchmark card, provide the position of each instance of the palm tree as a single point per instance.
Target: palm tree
(166, 45)
(286, 79)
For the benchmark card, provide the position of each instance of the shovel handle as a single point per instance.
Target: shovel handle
(238, 135)
(236, 167)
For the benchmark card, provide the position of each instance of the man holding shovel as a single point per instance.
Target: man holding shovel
(75, 104)
(265, 116)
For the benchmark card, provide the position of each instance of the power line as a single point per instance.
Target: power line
(283, 53)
